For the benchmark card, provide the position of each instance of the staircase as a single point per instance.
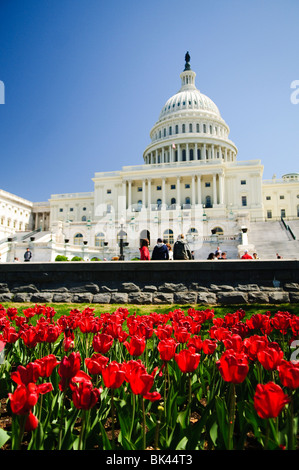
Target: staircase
(270, 238)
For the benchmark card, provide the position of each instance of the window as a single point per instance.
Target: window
(78, 239)
(282, 212)
(208, 202)
(176, 129)
(183, 128)
(268, 198)
(159, 203)
(191, 154)
(173, 200)
(108, 191)
(207, 185)
(197, 127)
(269, 214)
(170, 130)
(217, 230)
(243, 182)
(71, 209)
(205, 128)
(190, 128)
(187, 201)
(139, 189)
(83, 219)
(187, 186)
(168, 236)
(159, 188)
(281, 197)
(192, 234)
(99, 239)
(244, 201)
(84, 208)
(184, 155)
(164, 132)
(60, 210)
(172, 186)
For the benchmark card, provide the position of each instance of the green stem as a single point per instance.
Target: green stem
(112, 413)
(291, 443)
(231, 422)
(61, 421)
(143, 424)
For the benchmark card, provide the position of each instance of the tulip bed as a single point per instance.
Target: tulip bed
(181, 380)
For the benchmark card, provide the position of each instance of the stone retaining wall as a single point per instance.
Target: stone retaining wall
(171, 282)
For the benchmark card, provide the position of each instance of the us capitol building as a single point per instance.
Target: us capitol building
(190, 182)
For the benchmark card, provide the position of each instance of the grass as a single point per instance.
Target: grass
(250, 309)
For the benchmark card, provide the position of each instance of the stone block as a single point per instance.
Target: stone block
(150, 289)
(208, 298)
(140, 298)
(290, 286)
(195, 286)
(3, 288)
(129, 287)
(221, 288)
(279, 297)
(62, 297)
(41, 297)
(172, 287)
(25, 288)
(185, 298)
(90, 288)
(294, 297)
(22, 297)
(232, 298)
(102, 298)
(258, 297)
(119, 298)
(248, 287)
(85, 297)
(6, 297)
(108, 289)
(163, 298)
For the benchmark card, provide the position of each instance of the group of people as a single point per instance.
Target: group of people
(163, 251)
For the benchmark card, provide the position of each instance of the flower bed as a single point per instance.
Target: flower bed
(186, 380)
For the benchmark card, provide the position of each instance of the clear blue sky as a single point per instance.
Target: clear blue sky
(85, 81)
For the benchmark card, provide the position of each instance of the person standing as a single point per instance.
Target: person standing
(160, 252)
(246, 255)
(144, 251)
(27, 255)
(181, 249)
(170, 252)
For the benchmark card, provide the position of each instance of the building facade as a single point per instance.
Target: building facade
(190, 182)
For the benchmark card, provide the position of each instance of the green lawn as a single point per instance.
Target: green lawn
(250, 309)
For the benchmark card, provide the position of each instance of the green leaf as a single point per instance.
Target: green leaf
(4, 436)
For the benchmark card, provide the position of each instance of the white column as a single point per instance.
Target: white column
(187, 153)
(199, 189)
(149, 195)
(204, 152)
(178, 187)
(195, 151)
(163, 193)
(163, 155)
(130, 194)
(193, 202)
(143, 194)
(220, 153)
(225, 154)
(179, 153)
(124, 194)
(213, 152)
(221, 188)
(214, 191)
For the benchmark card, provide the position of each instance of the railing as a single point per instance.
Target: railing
(288, 228)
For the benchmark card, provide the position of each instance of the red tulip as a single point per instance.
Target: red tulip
(69, 367)
(208, 346)
(166, 348)
(289, 374)
(84, 396)
(234, 342)
(187, 360)
(30, 337)
(164, 331)
(136, 346)
(47, 365)
(113, 375)
(269, 400)
(31, 422)
(10, 335)
(102, 343)
(182, 335)
(96, 363)
(12, 313)
(253, 345)
(25, 375)
(281, 322)
(233, 366)
(141, 382)
(25, 397)
(270, 357)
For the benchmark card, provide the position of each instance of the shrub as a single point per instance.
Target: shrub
(77, 258)
(61, 258)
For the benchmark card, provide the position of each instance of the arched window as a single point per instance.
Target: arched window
(83, 219)
(217, 231)
(168, 236)
(192, 234)
(187, 201)
(159, 203)
(173, 200)
(99, 239)
(78, 239)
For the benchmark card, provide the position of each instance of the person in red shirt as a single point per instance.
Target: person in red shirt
(144, 251)
(246, 255)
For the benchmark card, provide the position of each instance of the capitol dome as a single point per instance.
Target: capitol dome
(189, 127)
